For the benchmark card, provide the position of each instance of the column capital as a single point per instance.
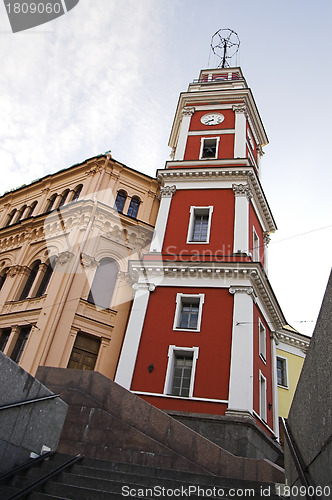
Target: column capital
(188, 111)
(167, 191)
(14, 270)
(239, 108)
(242, 190)
(63, 257)
(266, 238)
(143, 286)
(244, 289)
(88, 261)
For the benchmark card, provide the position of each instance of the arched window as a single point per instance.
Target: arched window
(103, 284)
(51, 203)
(3, 277)
(30, 279)
(10, 217)
(63, 198)
(120, 200)
(20, 215)
(77, 192)
(31, 209)
(133, 207)
(46, 278)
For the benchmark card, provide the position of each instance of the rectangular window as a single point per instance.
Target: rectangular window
(255, 245)
(199, 224)
(282, 372)
(4, 336)
(183, 364)
(20, 344)
(262, 340)
(188, 312)
(209, 147)
(180, 374)
(262, 397)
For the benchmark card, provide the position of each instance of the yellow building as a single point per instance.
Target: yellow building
(291, 352)
(62, 238)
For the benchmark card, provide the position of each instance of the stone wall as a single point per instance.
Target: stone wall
(26, 428)
(310, 416)
(106, 421)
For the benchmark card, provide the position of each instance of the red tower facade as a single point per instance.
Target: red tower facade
(201, 337)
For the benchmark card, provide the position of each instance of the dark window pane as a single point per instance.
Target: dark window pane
(133, 208)
(20, 344)
(120, 201)
(103, 284)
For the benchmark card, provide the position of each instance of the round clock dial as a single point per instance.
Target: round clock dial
(212, 119)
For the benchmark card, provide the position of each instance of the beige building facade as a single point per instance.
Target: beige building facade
(65, 242)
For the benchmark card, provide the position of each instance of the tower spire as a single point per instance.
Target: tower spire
(225, 44)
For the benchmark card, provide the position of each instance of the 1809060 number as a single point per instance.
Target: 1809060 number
(34, 8)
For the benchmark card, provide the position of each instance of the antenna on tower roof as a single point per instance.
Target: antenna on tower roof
(225, 44)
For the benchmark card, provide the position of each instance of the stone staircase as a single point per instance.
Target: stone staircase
(96, 479)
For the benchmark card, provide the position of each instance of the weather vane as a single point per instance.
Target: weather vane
(225, 44)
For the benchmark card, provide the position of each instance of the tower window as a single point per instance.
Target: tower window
(63, 198)
(209, 147)
(282, 372)
(262, 340)
(199, 224)
(188, 313)
(20, 344)
(120, 200)
(262, 397)
(133, 207)
(180, 374)
(31, 209)
(255, 245)
(10, 217)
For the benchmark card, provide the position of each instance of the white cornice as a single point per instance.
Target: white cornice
(210, 274)
(236, 174)
(217, 96)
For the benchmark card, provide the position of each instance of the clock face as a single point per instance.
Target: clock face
(212, 119)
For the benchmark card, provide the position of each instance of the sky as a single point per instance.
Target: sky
(107, 76)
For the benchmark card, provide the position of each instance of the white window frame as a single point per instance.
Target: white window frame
(173, 350)
(197, 209)
(285, 361)
(262, 397)
(202, 146)
(178, 311)
(262, 340)
(255, 245)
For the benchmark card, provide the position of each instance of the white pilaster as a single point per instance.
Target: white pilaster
(266, 240)
(125, 370)
(166, 194)
(240, 131)
(184, 129)
(241, 391)
(275, 402)
(241, 223)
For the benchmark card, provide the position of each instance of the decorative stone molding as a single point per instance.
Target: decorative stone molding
(244, 289)
(143, 286)
(188, 111)
(260, 150)
(242, 190)
(64, 257)
(172, 154)
(14, 270)
(266, 238)
(88, 261)
(167, 191)
(239, 108)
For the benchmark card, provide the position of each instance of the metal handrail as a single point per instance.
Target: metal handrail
(26, 465)
(298, 461)
(28, 401)
(41, 481)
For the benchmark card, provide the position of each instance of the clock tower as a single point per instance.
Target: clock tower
(201, 338)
